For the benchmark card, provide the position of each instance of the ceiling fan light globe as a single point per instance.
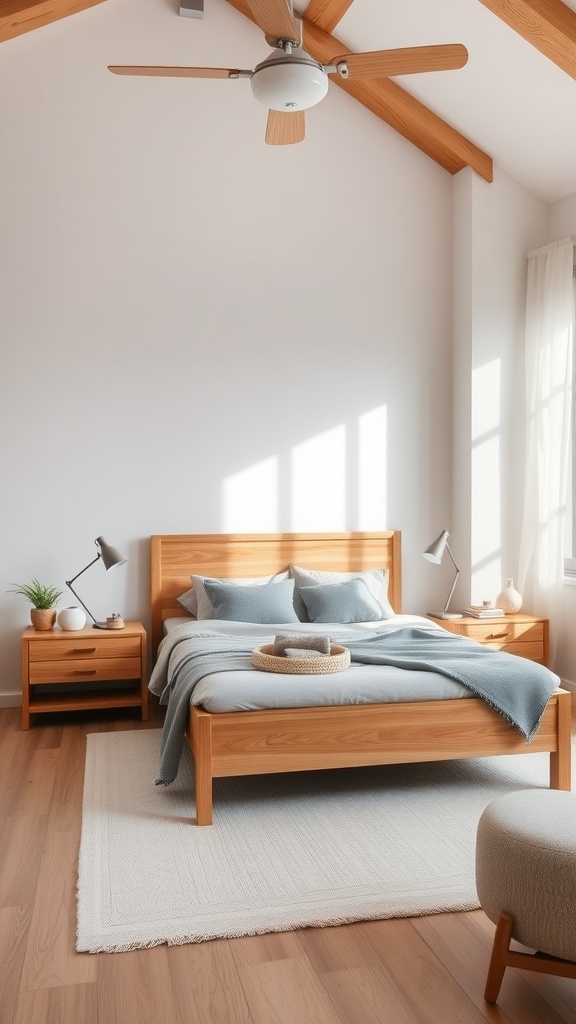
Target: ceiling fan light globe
(288, 86)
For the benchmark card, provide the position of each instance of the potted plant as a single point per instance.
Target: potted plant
(43, 598)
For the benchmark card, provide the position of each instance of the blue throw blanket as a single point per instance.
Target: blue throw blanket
(515, 687)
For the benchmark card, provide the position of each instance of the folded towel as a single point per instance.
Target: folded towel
(303, 652)
(307, 642)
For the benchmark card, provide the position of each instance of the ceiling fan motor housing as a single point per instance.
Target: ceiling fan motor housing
(289, 82)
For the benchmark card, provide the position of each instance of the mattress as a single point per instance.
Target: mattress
(256, 690)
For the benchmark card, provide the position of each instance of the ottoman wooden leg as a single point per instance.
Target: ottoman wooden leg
(503, 957)
(498, 960)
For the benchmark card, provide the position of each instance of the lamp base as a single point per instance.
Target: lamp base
(445, 615)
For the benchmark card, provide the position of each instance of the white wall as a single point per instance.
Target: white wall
(563, 218)
(562, 223)
(495, 225)
(200, 332)
(494, 228)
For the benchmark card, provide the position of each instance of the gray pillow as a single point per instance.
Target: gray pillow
(204, 609)
(270, 602)
(376, 580)
(349, 601)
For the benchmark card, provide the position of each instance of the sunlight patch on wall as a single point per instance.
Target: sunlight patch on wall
(318, 483)
(250, 499)
(486, 526)
(334, 481)
(372, 468)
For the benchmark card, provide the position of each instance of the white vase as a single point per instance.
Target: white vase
(72, 618)
(509, 600)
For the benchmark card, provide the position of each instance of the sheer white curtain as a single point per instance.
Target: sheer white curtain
(549, 328)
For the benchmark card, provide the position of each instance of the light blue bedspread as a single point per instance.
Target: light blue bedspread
(515, 687)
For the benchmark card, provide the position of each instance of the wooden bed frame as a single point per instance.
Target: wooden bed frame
(260, 742)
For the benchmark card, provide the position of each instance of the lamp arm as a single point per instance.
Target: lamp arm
(70, 587)
(69, 582)
(455, 578)
(74, 578)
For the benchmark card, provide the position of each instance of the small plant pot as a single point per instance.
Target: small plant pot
(43, 618)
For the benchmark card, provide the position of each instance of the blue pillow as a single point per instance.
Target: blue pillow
(269, 602)
(349, 601)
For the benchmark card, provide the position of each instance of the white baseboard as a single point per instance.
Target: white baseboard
(11, 700)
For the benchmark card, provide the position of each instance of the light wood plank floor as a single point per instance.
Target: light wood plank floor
(426, 970)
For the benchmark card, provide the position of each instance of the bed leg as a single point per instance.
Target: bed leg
(203, 784)
(560, 759)
(201, 729)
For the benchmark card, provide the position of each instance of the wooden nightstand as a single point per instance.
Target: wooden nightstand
(525, 635)
(78, 662)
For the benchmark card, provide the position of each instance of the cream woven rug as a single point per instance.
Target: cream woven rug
(285, 851)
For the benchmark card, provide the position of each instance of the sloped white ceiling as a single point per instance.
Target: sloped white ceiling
(510, 101)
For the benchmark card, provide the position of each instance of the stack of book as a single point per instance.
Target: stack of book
(480, 611)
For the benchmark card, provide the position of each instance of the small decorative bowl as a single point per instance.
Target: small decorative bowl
(115, 622)
(72, 618)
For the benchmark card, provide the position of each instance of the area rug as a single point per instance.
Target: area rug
(284, 852)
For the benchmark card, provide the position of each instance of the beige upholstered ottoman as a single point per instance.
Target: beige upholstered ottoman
(526, 881)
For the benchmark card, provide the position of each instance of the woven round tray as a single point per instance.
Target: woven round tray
(336, 661)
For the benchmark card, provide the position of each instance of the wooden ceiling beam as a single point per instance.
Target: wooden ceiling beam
(19, 16)
(395, 106)
(549, 25)
(401, 111)
(326, 13)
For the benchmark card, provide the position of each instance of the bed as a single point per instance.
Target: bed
(313, 738)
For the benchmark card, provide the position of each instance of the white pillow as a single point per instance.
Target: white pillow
(205, 609)
(189, 601)
(375, 579)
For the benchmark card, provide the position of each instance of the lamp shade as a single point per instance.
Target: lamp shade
(111, 557)
(435, 553)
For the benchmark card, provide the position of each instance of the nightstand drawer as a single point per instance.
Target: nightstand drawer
(85, 647)
(523, 635)
(498, 632)
(84, 671)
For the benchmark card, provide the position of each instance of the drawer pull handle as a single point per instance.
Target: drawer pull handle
(84, 650)
(85, 672)
(497, 636)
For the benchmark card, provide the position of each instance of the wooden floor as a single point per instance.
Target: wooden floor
(426, 970)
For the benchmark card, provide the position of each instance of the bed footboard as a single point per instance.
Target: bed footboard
(304, 739)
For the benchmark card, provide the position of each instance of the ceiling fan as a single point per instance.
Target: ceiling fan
(290, 81)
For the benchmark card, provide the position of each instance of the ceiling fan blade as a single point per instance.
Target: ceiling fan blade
(275, 18)
(160, 72)
(282, 129)
(410, 60)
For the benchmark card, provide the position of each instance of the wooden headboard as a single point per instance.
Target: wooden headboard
(175, 556)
